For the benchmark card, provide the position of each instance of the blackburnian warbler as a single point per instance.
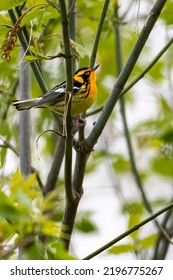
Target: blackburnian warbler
(83, 96)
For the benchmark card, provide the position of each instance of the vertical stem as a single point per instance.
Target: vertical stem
(126, 130)
(81, 158)
(70, 210)
(162, 245)
(55, 167)
(24, 125)
(124, 119)
(24, 119)
(99, 30)
(69, 91)
(72, 25)
(125, 73)
(72, 19)
(123, 114)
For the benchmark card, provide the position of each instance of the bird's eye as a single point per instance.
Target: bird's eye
(85, 75)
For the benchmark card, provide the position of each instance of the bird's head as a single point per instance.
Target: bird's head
(86, 74)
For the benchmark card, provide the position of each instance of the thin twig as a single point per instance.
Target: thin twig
(125, 73)
(148, 68)
(98, 34)
(162, 244)
(72, 26)
(55, 167)
(6, 144)
(127, 134)
(139, 77)
(129, 231)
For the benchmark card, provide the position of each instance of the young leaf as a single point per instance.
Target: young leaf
(133, 220)
(85, 224)
(8, 210)
(163, 166)
(148, 241)
(2, 157)
(50, 228)
(7, 5)
(20, 183)
(121, 164)
(121, 249)
(6, 230)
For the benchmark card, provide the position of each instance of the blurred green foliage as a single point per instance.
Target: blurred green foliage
(31, 221)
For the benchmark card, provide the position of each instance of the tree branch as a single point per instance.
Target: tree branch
(69, 90)
(70, 210)
(125, 73)
(148, 68)
(80, 164)
(129, 231)
(8, 145)
(162, 244)
(72, 25)
(24, 120)
(139, 77)
(126, 130)
(55, 168)
(98, 34)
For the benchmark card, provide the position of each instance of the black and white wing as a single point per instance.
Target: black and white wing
(57, 93)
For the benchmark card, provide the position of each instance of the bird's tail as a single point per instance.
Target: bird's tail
(26, 104)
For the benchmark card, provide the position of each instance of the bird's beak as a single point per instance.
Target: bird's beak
(95, 67)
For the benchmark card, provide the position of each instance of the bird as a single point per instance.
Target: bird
(83, 96)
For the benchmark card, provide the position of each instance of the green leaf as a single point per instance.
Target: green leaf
(2, 156)
(133, 207)
(61, 253)
(159, 202)
(30, 58)
(6, 230)
(163, 166)
(121, 164)
(50, 228)
(33, 252)
(80, 49)
(40, 14)
(165, 132)
(9, 4)
(135, 210)
(148, 241)
(167, 13)
(156, 72)
(166, 109)
(85, 224)
(121, 249)
(50, 254)
(19, 183)
(8, 210)
(133, 220)
(3, 30)
(34, 15)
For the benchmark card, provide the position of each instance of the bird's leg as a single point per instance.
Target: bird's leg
(77, 122)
